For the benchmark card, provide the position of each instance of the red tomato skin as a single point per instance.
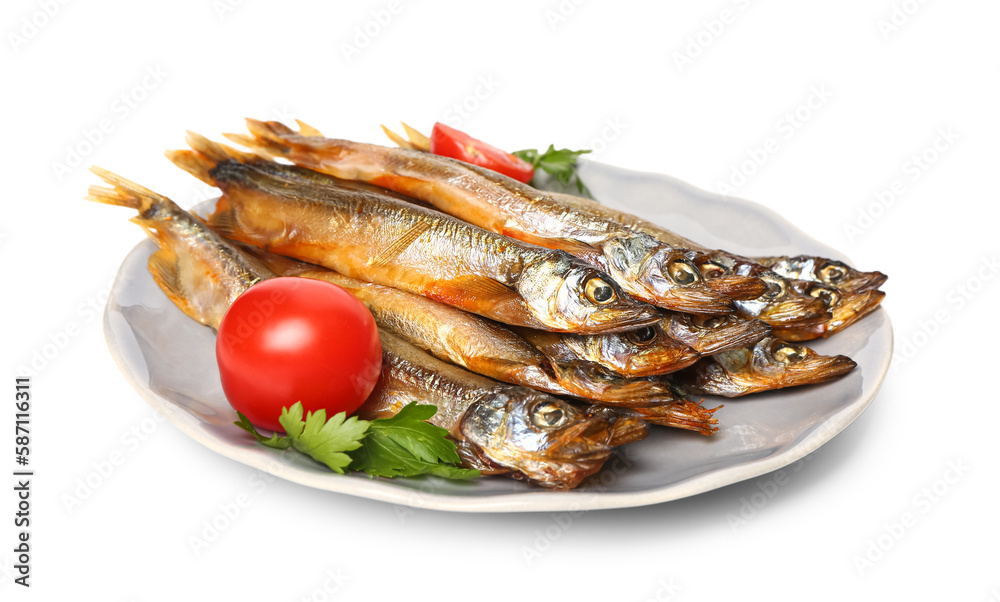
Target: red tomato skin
(294, 339)
(449, 142)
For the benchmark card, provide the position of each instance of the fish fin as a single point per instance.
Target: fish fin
(270, 130)
(110, 196)
(418, 140)
(279, 264)
(262, 147)
(480, 287)
(223, 219)
(540, 339)
(483, 296)
(205, 155)
(163, 267)
(307, 130)
(399, 140)
(241, 139)
(196, 164)
(399, 245)
(573, 247)
(473, 457)
(259, 148)
(215, 150)
(126, 193)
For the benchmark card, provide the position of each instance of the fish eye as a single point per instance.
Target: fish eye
(775, 288)
(789, 354)
(548, 414)
(599, 291)
(643, 336)
(711, 270)
(683, 272)
(832, 273)
(829, 296)
(707, 322)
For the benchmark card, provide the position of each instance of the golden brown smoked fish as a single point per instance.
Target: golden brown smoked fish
(650, 350)
(847, 295)
(646, 268)
(847, 308)
(544, 438)
(499, 426)
(495, 351)
(201, 272)
(770, 364)
(386, 241)
(825, 271)
(779, 305)
(731, 285)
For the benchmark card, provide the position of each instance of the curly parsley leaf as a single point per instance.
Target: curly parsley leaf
(405, 445)
(326, 441)
(560, 164)
(275, 441)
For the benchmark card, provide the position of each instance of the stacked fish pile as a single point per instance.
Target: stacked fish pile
(547, 328)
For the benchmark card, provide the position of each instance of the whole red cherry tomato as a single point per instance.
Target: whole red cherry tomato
(294, 339)
(449, 142)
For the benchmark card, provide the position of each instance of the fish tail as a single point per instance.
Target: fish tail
(270, 130)
(163, 263)
(268, 137)
(126, 193)
(205, 155)
(216, 151)
(307, 130)
(194, 163)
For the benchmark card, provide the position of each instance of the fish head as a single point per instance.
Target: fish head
(723, 274)
(713, 334)
(784, 305)
(662, 275)
(777, 361)
(770, 364)
(845, 308)
(626, 427)
(829, 272)
(569, 295)
(593, 381)
(645, 351)
(550, 440)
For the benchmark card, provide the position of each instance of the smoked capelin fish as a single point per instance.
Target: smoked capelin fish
(846, 294)
(677, 341)
(778, 305)
(470, 341)
(548, 440)
(732, 285)
(847, 308)
(200, 272)
(648, 269)
(830, 272)
(770, 364)
(380, 239)
(797, 309)
(496, 351)
(508, 428)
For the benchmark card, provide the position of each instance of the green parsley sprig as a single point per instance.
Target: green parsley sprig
(560, 164)
(404, 445)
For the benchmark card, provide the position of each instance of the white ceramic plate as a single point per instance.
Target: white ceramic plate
(170, 360)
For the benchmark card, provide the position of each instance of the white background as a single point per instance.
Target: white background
(559, 72)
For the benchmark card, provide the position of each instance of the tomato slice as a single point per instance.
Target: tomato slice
(449, 142)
